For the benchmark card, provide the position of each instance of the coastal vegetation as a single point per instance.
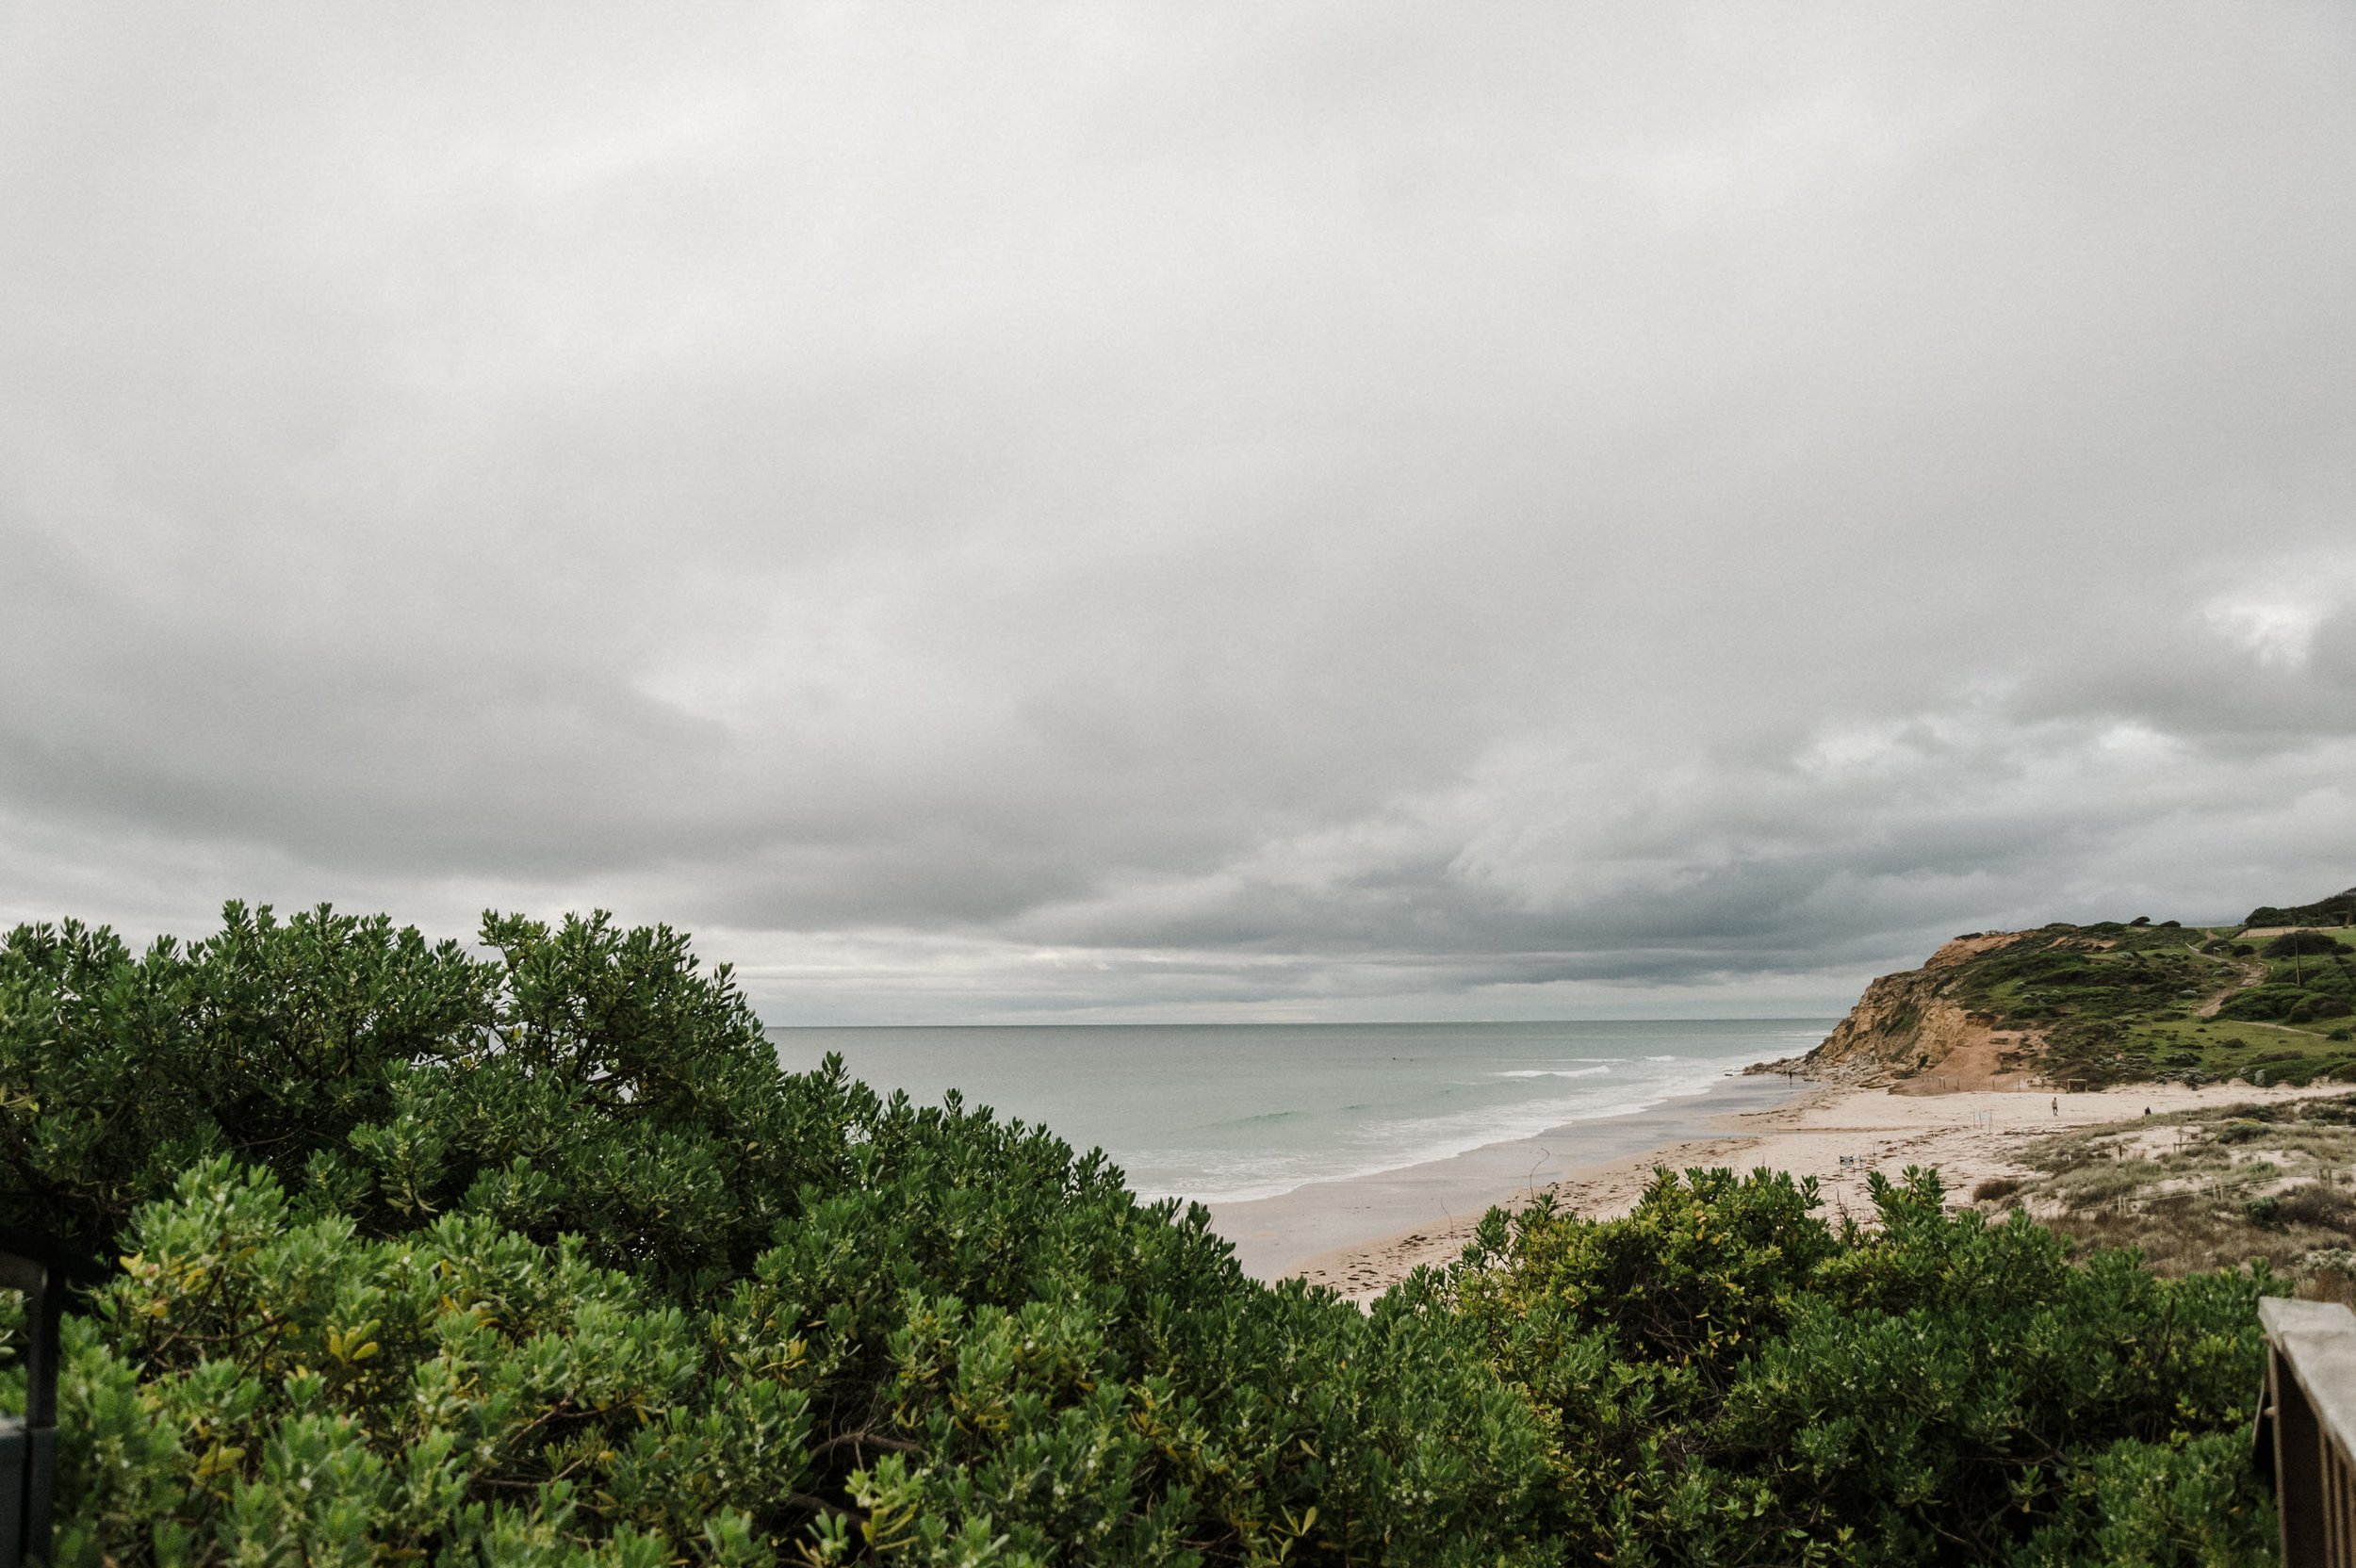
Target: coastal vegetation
(2205, 1188)
(400, 1251)
(2271, 1000)
(1724, 1377)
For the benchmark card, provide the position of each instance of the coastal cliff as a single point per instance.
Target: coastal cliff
(1911, 1028)
(2268, 1000)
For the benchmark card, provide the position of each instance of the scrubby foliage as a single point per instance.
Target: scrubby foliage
(2290, 942)
(2101, 971)
(2197, 1189)
(2339, 909)
(2306, 980)
(405, 1252)
(1726, 1378)
(540, 1257)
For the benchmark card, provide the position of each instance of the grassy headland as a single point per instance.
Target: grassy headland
(2267, 1000)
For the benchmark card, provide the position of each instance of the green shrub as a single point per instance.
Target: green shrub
(1728, 1378)
(2277, 1003)
(542, 1257)
(2290, 942)
(405, 1254)
(2313, 1203)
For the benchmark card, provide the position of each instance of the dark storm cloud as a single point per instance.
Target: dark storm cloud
(1061, 510)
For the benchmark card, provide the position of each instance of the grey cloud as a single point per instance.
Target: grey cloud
(1083, 511)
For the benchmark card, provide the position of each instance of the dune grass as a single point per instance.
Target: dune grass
(2209, 1189)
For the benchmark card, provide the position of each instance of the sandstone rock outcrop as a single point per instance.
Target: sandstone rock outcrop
(1907, 1033)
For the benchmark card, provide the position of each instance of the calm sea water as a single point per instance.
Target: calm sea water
(1226, 1113)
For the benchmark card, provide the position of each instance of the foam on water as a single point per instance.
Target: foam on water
(1228, 1113)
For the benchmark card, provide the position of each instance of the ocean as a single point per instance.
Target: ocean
(1228, 1114)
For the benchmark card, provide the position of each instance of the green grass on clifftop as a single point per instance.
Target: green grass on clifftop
(2123, 1002)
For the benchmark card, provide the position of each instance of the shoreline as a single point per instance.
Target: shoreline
(1970, 1135)
(1276, 1237)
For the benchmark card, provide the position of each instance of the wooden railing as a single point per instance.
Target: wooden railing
(2307, 1429)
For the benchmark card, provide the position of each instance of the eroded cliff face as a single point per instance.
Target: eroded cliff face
(1907, 1032)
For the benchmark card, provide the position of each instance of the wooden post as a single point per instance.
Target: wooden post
(2310, 1414)
(28, 1443)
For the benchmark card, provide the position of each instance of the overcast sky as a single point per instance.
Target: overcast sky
(1184, 511)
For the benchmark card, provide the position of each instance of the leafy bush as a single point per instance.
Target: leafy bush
(2313, 1203)
(2274, 1003)
(542, 1257)
(2339, 909)
(1727, 1378)
(406, 1253)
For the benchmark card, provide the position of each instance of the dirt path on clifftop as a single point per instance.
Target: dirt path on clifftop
(2252, 971)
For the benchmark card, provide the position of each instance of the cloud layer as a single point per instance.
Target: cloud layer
(1206, 512)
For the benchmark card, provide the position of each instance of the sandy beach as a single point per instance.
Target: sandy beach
(1970, 1137)
(1282, 1235)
